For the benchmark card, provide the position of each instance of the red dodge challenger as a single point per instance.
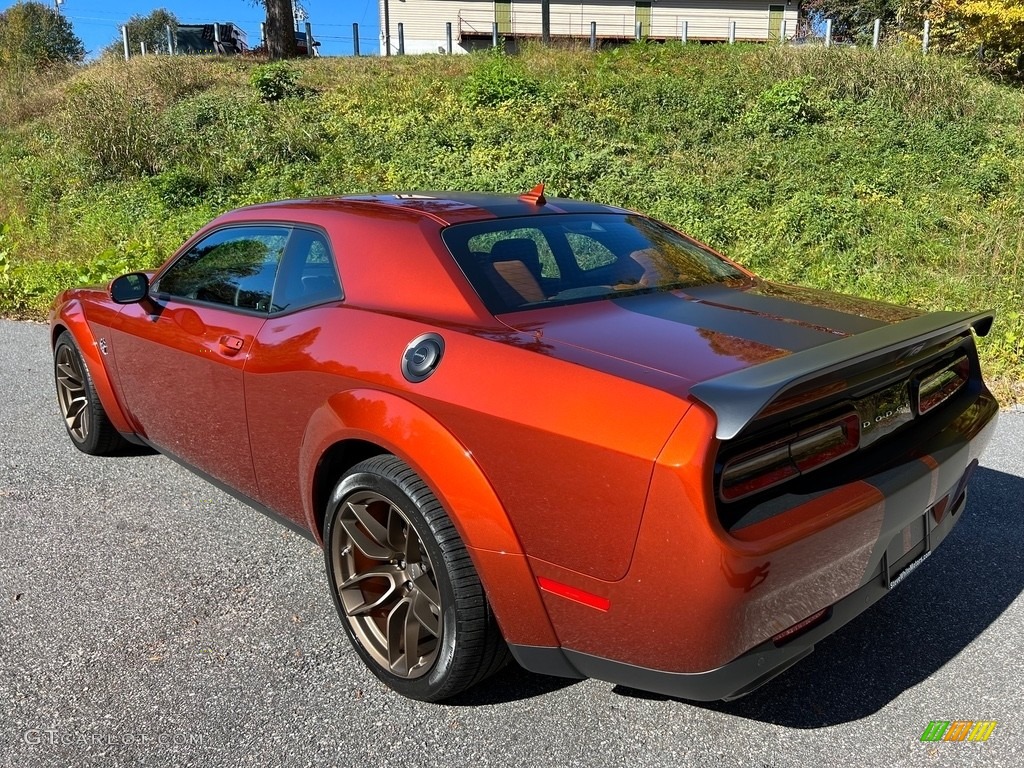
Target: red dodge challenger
(543, 427)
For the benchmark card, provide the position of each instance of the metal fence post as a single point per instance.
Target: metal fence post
(732, 32)
(494, 35)
(263, 33)
(639, 30)
(310, 49)
(448, 36)
(877, 35)
(782, 31)
(124, 39)
(355, 38)
(685, 35)
(142, 47)
(401, 39)
(216, 33)
(170, 41)
(927, 35)
(593, 35)
(828, 33)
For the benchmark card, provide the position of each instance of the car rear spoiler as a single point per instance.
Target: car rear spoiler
(737, 398)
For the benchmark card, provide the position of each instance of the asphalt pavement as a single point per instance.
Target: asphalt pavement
(147, 618)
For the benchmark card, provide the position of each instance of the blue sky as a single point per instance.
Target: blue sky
(98, 22)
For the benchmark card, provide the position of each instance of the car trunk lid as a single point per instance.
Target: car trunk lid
(740, 347)
(705, 332)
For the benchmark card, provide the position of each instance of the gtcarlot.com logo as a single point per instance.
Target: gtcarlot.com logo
(958, 730)
(51, 737)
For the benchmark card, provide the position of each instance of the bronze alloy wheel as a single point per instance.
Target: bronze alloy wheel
(87, 423)
(404, 585)
(386, 584)
(72, 393)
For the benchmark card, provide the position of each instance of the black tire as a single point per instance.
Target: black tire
(85, 420)
(406, 565)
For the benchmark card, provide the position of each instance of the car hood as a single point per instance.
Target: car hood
(701, 333)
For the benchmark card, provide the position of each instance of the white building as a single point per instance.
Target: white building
(424, 22)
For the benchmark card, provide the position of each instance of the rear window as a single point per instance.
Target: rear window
(525, 263)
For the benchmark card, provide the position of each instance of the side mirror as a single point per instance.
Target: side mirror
(130, 288)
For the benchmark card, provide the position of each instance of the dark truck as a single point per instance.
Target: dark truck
(225, 38)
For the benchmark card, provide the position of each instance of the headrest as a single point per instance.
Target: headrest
(517, 249)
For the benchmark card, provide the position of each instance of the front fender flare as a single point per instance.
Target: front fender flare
(71, 317)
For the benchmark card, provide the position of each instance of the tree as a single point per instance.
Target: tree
(151, 29)
(855, 19)
(280, 29)
(35, 35)
(990, 30)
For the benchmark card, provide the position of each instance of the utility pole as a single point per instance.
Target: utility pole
(299, 14)
(387, 29)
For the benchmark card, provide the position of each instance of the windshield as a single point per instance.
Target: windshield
(529, 262)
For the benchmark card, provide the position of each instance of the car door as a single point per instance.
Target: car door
(180, 353)
(296, 352)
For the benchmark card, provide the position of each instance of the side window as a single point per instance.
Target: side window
(309, 276)
(235, 267)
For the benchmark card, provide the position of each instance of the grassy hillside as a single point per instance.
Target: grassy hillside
(882, 174)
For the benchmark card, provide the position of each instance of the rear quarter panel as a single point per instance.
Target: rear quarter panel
(568, 451)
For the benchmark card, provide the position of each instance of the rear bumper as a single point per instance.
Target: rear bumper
(760, 664)
(696, 616)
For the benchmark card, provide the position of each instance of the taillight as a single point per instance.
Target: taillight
(749, 474)
(826, 444)
(788, 458)
(936, 388)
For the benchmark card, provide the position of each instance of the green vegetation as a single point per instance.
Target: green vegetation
(886, 174)
(275, 81)
(150, 29)
(992, 31)
(34, 35)
(855, 19)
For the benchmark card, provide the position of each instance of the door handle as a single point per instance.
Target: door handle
(231, 344)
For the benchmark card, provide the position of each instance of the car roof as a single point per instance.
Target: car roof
(443, 207)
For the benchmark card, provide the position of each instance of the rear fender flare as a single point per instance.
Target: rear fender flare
(448, 467)
(406, 430)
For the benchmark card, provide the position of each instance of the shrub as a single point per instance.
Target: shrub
(781, 108)
(19, 296)
(990, 31)
(180, 187)
(275, 81)
(113, 120)
(496, 79)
